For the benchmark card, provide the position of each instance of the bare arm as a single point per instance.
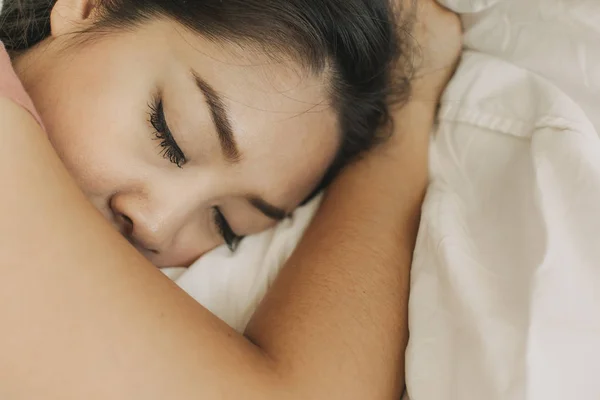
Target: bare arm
(84, 316)
(76, 301)
(348, 280)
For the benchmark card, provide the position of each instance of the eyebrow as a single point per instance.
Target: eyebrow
(267, 209)
(218, 112)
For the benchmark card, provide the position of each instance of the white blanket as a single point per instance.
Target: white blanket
(506, 280)
(505, 294)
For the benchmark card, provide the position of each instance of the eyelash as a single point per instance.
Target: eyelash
(170, 150)
(231, 239)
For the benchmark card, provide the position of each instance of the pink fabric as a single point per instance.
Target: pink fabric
(11, 87)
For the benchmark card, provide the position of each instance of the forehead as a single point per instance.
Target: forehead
(280, 112)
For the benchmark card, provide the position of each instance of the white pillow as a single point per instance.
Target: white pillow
(232, 285)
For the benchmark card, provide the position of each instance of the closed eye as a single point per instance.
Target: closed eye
(231, 239)
(170, 150)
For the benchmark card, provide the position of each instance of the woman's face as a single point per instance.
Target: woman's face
(181, 143)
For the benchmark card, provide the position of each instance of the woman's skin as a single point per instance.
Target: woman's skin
(96, 97)
(85, 316)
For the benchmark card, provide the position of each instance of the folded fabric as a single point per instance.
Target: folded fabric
(505, 282)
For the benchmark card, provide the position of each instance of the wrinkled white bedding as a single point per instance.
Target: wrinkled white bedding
(506, 280)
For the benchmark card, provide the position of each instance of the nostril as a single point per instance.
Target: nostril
(125, 225)
(131, 223)
(128, 222)
(128, 232)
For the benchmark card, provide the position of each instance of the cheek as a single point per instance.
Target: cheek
(94, 161)
(94, 105)
(101, 146)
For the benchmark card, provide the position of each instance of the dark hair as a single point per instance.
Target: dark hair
(357, 41)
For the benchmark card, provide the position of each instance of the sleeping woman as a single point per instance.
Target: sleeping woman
(138, 134)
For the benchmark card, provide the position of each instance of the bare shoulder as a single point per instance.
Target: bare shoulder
(15, 121)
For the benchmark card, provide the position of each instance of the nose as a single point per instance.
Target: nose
(167, 230)
(141, 226)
